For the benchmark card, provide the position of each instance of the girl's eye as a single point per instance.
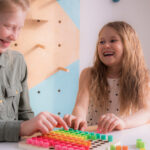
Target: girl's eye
(8, 26)
(102, 42)
(113, 41)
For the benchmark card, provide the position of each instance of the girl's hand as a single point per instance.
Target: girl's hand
(109, 122)
(75, 122)
(43, 122)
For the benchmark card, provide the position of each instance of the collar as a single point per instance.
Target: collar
(4, 59)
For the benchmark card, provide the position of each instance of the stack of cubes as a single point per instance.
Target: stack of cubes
(140, 144)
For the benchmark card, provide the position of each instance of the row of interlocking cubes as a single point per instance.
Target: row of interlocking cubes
(67, 140)
(118, 147)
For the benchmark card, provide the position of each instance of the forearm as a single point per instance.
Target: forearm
(139, 118)
(9, 131)
(82, 101)
(79, 112)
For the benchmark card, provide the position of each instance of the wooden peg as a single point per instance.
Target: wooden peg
(63, 69)
(40, 46)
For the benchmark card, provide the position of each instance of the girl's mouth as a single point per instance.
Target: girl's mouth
(107, 54)
(4, 43)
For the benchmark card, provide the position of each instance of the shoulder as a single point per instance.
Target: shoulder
(15, 56)
(85, 75)
(86, 72)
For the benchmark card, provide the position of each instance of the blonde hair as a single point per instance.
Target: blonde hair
(10, 5)
(134, 76)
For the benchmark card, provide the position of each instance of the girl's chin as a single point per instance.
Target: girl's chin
(2, 50)
(108, 64)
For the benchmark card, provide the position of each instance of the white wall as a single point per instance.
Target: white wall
(95, 13)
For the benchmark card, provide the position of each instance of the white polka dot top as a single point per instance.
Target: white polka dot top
(94, 109)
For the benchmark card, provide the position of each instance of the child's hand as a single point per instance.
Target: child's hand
(109, 122)
(75, 122)
(43, 122)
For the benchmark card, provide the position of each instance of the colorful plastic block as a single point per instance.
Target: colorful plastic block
(70, 140)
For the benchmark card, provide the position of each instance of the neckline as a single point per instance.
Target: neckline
(113, 79)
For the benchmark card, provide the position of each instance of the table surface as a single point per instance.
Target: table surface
(126, 137)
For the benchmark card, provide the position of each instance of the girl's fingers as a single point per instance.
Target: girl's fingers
(52, 120)
(82, 126)
(77, 124)
(43, 128)
(113, 125)
(66, 118)
(101, 121)
(106, 121)
(69, 119)
(107, 125)
(48, 124)
(60, 121)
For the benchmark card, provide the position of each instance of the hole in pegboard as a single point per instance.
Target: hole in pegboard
(38, 92)
(59, 21)
(59, 113)
(59, 45)
(117, 109)
(59, 90)
(16, 44)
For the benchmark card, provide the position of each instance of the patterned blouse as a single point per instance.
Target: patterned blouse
(94, 109)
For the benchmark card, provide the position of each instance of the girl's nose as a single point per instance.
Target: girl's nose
(13, 36)
(107, 45)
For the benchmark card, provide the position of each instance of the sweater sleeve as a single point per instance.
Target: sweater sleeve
(9, 131)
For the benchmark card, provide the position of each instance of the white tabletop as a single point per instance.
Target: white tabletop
(126, 137)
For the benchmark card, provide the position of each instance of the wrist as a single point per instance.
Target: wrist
(26, 128)
(125, 122)
(22, 128)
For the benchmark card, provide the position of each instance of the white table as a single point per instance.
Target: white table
(126, 137)
(129, 136)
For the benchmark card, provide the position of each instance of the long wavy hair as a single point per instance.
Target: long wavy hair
(134, 77)
(10, 5)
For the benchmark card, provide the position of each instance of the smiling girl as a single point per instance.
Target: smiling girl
(113, 93)
(16, 116)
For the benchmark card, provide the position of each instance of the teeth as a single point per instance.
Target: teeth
(108, 53)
